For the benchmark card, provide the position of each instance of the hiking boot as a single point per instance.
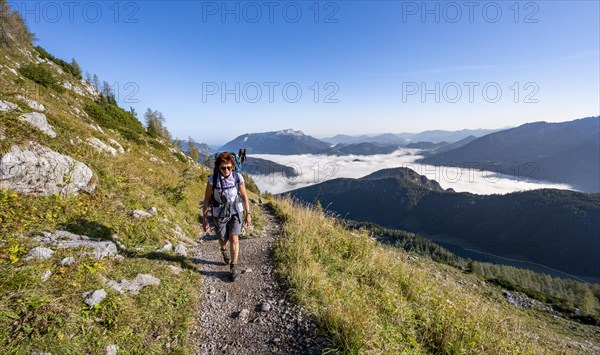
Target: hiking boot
(225, 256)
(235, 272)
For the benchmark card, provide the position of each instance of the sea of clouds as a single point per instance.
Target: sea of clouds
(315, 169)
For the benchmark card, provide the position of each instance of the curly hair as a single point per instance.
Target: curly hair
(226, 158)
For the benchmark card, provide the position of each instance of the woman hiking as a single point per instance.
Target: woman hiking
(222, 195)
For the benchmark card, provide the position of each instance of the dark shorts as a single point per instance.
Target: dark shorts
(227, 228)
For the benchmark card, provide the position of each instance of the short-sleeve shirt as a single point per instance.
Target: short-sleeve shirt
(226, 188)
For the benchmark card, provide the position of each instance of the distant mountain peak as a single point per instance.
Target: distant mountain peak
(289, 132)
(287, 141)
(406, 175)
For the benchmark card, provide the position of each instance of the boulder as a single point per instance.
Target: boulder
(76, 89)
(66, 240)
(39, 121)
(95, 297)
(6, 106)
(134, 286)
(167, 247)
(111, 350)
(46, 275)
(137, 214)
(116, 144)
(39, 254)
(67, 261)
(38, 170)
(101, 146)
(32, 103)
(180, 250)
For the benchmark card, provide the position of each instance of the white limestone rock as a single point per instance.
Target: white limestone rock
(76, 89)
(133, 286)
(95, 297)
(32, 103)
(39, 253)
(137, 214)
(116, 144)
(6, 106)
(100, 249)
(101, 146)
(39, 120)
(38, 170)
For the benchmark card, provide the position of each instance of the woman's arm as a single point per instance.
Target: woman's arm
(247, 218)
(207, 203)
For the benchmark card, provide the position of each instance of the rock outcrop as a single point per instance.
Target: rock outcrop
(39, 121)
(32, 103)
(133, 286)
(6, 106)
(65, 240)
(38, 170)
(101, 146)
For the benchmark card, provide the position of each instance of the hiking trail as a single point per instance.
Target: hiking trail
(254, 314)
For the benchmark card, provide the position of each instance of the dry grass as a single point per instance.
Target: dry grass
(376, 299)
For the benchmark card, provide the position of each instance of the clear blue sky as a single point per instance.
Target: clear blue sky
(371, 60)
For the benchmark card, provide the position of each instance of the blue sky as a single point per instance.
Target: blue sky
(351, 67)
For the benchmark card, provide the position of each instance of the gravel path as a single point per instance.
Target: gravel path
(252, 315)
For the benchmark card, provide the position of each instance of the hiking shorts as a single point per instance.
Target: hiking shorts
(227, 228)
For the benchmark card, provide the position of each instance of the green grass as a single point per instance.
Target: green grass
(51, 316)
(377, 299)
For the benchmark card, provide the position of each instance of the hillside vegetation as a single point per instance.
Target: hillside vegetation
(42, 297)
(378, 299)
(556, 228)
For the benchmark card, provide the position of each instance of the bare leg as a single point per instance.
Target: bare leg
(223, 245)
(234, 247)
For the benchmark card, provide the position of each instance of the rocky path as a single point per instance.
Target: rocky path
(252, 315)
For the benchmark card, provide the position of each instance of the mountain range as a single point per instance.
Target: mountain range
(556, 228)
(565, 152)
(283, 142)
(433, 136)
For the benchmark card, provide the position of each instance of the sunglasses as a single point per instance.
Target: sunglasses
(224, 168)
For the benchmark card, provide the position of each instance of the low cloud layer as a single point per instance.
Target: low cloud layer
(315, 169)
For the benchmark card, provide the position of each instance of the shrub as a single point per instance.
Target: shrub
(112, 116)
(40, 74)
(250, 184)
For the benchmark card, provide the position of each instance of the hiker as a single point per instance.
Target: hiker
(223, 191)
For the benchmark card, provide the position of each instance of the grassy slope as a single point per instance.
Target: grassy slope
(50, 316)
(378, 299)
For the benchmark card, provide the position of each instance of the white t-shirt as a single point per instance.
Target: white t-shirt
(227, 188)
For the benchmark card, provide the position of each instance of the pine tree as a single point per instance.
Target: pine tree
(96, 82)
(76, 69)
(152, 123)
(178, 144)
(193, 150)
(13, 30)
